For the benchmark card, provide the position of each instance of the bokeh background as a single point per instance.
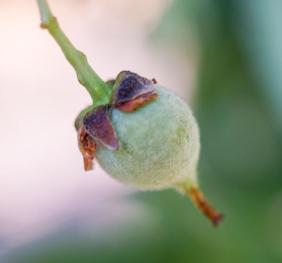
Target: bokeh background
(224, 57)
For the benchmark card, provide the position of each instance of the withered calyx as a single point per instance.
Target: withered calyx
(94, 128)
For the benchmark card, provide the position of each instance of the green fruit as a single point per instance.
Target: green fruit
(140, 133)
(159, 144)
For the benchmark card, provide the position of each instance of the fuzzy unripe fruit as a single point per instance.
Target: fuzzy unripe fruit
(140, 133)
(147, 137)
(159, 144)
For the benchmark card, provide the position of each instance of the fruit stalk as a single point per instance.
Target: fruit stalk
(99, 91)
(203, 205)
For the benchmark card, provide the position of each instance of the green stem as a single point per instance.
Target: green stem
(97, 88)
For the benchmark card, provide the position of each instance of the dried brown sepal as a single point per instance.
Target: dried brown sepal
(98, 126)
(87, 147)
(138, 102)
(199, 200)
(94, 127)
(132, 91)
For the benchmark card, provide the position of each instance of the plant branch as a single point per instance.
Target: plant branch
(97, 88)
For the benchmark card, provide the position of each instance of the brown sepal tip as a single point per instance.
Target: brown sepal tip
(98, 126)
(87, 147)
(138, 102)
(133, 92)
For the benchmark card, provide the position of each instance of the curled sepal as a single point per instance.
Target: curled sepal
(87, 147)
(132, 91)
(98, 126)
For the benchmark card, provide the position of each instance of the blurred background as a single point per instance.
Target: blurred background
(224, 57)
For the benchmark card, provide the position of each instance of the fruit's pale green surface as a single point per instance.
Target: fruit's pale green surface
(159, 144)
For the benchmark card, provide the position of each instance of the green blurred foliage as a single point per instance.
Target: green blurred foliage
(240, 167)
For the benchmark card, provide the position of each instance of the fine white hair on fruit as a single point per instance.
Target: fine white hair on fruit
(159, 144)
